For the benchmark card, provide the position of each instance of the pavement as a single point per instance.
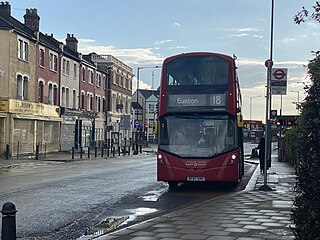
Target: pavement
(250, 214)
(29, 161)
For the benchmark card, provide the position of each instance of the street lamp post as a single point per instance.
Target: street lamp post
(297, 103)
(138, 132)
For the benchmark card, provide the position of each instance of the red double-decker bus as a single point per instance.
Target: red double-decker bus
(200, 132)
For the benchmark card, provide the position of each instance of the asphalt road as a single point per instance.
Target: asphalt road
(66, 200)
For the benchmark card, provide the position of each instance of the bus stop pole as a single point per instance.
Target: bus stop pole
(268, 64)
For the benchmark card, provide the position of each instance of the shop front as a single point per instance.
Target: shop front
(81, 129)
(27, 125)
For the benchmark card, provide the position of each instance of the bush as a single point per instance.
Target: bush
(290, 145)
(306, 211)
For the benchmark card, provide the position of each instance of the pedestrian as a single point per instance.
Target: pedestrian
(179, 137)
(261, 147)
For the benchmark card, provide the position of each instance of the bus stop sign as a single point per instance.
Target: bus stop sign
(278, 81)
(136, 123)
(279, 74)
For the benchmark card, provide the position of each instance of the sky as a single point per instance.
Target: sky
(142, 33)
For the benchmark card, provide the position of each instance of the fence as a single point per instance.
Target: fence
(40, 151)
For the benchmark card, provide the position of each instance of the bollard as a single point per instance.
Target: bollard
(114, 151)
(102, 151)
(72, 152)
(7, 151)
(37, 152)
(108, 151)
(136, 151)
(18, 147)
(81, 152)
(88, 152)
(140, 148)
(8, 221)
(95, 152)
(254, 153)
(118, 150)
(129, 151)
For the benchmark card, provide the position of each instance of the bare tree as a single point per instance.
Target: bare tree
(304, 15)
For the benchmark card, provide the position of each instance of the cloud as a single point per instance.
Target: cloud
(239, 35)
(178, 47)
(287, 40)
(257, 36)
(175, 24)
(134, 56)
(245, 32)
(85, 41)
(257, 62)
(160, 42)
(249, 29)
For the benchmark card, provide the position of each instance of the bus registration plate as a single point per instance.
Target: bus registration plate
(196, 178)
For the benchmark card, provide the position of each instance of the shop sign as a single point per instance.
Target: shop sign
(38, 109)
(4, 105)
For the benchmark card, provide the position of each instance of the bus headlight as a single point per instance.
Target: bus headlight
(232, 159)
(160, 159)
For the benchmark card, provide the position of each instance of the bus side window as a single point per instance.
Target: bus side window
(164, 133)
(170, 80)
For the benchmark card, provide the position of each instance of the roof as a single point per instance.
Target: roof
(87, 59)
(12, 23)
(147, 93)
(136, 105)
(49, 41)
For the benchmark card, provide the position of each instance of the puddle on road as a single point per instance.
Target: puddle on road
(111, 224)
(152, 196)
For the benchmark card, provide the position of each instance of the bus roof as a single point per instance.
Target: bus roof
(171, 58)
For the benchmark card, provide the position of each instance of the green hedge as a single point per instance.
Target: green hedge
(306, 210)
(290, 145)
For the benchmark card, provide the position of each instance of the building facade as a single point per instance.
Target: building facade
(54, 98)
(145, 112)
(24, 119)
(118, 98)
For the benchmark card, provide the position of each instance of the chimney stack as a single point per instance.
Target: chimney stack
(31, 19)
(72, 42)
(5, 10)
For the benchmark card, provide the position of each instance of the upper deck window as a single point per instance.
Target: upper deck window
(198, 70)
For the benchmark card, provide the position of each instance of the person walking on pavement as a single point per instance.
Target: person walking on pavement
(261, 147)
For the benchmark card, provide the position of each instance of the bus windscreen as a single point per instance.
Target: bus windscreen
(197, 136)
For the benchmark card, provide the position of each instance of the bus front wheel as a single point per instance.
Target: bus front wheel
(173, 185)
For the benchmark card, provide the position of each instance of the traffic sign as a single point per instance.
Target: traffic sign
(136, 123)
(274, 113)
(125, 122)
(268, 63)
